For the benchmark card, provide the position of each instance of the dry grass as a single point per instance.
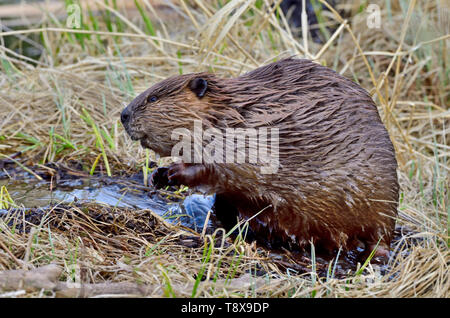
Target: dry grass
(404, 64)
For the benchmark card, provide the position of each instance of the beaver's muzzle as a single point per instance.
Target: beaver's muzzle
(127, 122)
(125, 116)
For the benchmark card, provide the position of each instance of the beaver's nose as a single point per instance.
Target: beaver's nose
(125, 116)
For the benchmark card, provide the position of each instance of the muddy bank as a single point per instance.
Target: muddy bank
(65, 198)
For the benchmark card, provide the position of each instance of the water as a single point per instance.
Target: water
(28, 192)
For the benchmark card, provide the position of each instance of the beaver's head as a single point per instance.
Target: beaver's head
(170, 104)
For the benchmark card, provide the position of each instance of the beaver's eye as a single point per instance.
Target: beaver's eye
(152, 99)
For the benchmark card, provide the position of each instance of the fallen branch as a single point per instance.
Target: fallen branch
(44, 277)
(47, 278)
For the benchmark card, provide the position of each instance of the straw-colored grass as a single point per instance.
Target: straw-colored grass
(65, 107)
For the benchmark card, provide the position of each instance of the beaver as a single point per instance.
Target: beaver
(336, 184)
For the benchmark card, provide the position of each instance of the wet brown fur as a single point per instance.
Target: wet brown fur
(337, 183)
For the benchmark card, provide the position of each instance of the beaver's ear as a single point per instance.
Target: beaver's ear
(199, 86)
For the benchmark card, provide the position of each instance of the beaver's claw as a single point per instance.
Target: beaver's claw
(160, 178)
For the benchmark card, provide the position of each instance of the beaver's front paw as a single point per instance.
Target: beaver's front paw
(160, 178)
(186, 174)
